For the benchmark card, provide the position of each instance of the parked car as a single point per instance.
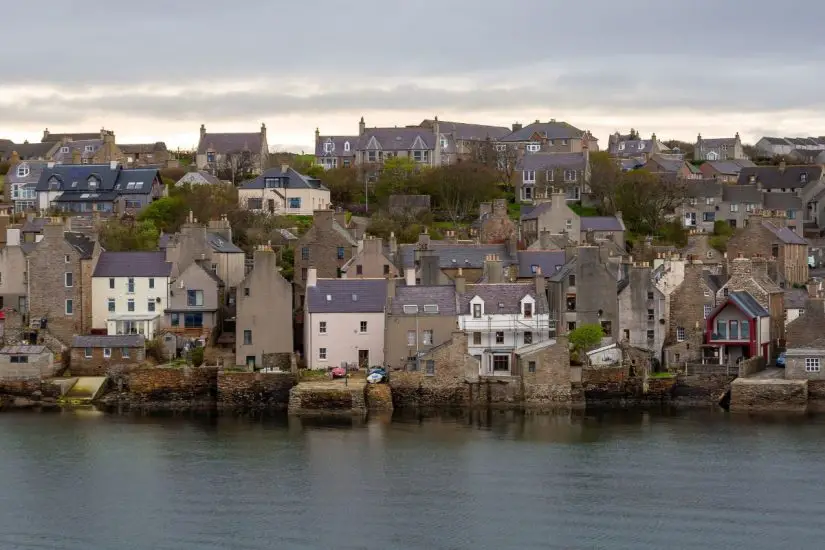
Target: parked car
(338, 372)
(780, 361)
(377, 375)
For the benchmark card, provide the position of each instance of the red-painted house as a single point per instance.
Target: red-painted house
(739, 328)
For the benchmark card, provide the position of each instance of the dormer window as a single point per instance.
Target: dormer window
(569, 175)
(89, 149)
(346, 146)
(23, 171)
(64, 150)
(328, 147)
(501, 147)
(752, 179)
(641, 145)
(621, 146)
(527, 310)
(92, 182)
(477, 311)
(443, 141)
(803, 177)
(533, 147)
(270, 182)
(54, 183)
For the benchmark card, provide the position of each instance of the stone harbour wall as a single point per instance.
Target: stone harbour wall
(165, 384)
(748, 395)
(702, 388)
(310, 400)
(379, 397)
(254, 390)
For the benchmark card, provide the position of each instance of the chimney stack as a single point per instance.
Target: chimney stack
(493, 269)
(540, 282)
(362, 127)
(782, 166)
(76, 156)
(312, 277)
(409, 276)
(203, 131)
(460, 282)
(15, 158)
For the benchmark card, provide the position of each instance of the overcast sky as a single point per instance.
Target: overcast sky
(156, 69)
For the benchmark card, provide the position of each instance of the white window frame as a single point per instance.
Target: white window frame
(533, 147)
(66, 307)
(734, 207)
(680, 334)
(569, 175)
(346, 146)
(410, 338)
(88, 353)
(322, 354)
(812, 364)
(427, 337)
(23, 170)
(529, 176)
(328, 146)
(64, 150)
(363, 327)
(68, 279)
(89, 149)
(107, 353)
(322, 327)
(706, 310)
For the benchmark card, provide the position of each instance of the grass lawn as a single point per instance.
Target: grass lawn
(583, 210)
(661, 375)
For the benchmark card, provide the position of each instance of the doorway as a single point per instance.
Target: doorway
(363, 358)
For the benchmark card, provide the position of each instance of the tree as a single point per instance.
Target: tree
(196, 356)
(585, 337)
(644, 199)
(236, 167)
(125, 235)
(399, 176)
(682, 146)
(208, 202)
(498, 157)
(605, 176)
(345, 186)
(166, 213)
(457, 189)
(633, 135)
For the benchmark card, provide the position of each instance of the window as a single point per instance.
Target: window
(175, 319)
(193, 320)
(476, 311)
(812, 364)
(427, 338)
(571, 302)
(750, 207)
(64, 150)
(528, 310)
(346, 146)
(92, 182)
(430, 366)
(725, 292)
(501, 363)
(568, 225)
(548, 175)
(255, 204)
(124, 353)
(569, 175)
(709, 200)
(607, 328)
(803, 178)
(130, 285)
(531, 366)
(410, 338)
(499, 337)
(19, 359)
(23, 170)
(69, 307)
(247, 337)
(791, 214)
(371, 157)
(151, 282)
(571, 280)
(649, 294)
(476, 338)
(328, 147)
(775, 251)
(680, 334)
(107, 352)
(340, 253)
(359, 269)
(386, 269)
(322, 327)
(305, 253)
(734, 330)
(410, 309)
(651, 316)
(708, 216)
(650, 335)
(706, 311)
(246, 290)
(533, 147)
(67, 258)
(363, 327)
(571, 326)
(529, 176)
(130, 304)
(527, 193)
(150, 304)
(322, 354)
(194, 298)
(68, 280)
(744, 329)
(721, 330)
(111, 283)
(295, 203)
(528, 338)
(303, 274)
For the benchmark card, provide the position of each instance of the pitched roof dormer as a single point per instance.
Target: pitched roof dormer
(476, 306)
(373, 144)
(418, 144)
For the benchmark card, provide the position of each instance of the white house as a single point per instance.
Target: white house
(130, 292)
(284, 191)
(344, 321)
(500, 318)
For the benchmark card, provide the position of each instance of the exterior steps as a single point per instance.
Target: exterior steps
(86, 389)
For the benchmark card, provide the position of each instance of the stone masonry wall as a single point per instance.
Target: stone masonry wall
(254, 390)
(551, 380)
(173, 384)
(687, 310)
(769, 395)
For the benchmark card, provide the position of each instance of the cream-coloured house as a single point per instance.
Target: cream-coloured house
(130, 292)
(344, 322)
(284, 191)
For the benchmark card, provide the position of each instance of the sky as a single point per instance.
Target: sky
(155, 70)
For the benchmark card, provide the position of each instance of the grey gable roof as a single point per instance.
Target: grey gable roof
(782, 201)
(796, 298)
(338, 148)
(133, 264)
(748, 304)
(442, 296)
(549, 130)
(784, 234)
(199, 177)
(772, 177)
(704, 189)
(230, 142)
(742, 194)
(219, 244)
(347, 296)
(469, 132)
(78, 175)
(289, 180)
(79, 146)
(545, 161)
(84, 245)
(36, 168)
(727, 167)
(501, 298)
(601, 223)
(718, 142)
(109, 341)
(549, 261)
(33, 150)
(457, 255)
(397, 139)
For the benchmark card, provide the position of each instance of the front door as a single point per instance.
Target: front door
(363, 358)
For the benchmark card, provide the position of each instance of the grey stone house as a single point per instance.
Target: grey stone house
(538, 174)
(718, 148)
(245, 152)
(642, 315)
(460, 140)
(264, 313)
(95, 355)
(335, 151)
(555, 216)
(805, 352)
(550, 137)
(195, 301)
(326, 246)
(14, 272)
(419, 318)
(20, 186)
(370, 262)
(631, 147)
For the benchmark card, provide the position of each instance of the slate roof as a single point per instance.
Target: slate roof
(142, 148)
(782, 201)
(397, 139)
(667, 164)
(109, 341)
(714, 282)
(199, 177)
(79, 146)
(33, 150)
(714, 143)
(630, 164)
(442, 296)
(35, 169)
(796, 298)
(74, 137)
(748, 194)
(601, 223)
(290, 179)
(34, 225)
(549, 130)
(468, 256)
(747, 303)
(772, 178)
(84, 245)
(220, 244)
(704, 189)
(560, 274)
(347, 296)
(501, 298)
(548, 260)
(544, 161)
(133, 264)
(784, 234)
(470, 132)
(230, 142)
(75, 178)
(22, 350)
(729, 166)
(808, 327)
(337, 146)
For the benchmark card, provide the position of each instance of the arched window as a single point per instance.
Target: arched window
(93, 182)
(346, 146)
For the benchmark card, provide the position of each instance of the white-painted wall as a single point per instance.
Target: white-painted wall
(101, 292)
(311, 199)
(343, 338)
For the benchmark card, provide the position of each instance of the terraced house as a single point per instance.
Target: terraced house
(539, 173)
(237, 153)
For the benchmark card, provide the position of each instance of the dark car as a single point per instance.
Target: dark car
(780, 361)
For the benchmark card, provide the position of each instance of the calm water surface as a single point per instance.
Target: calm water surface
(635, 480)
